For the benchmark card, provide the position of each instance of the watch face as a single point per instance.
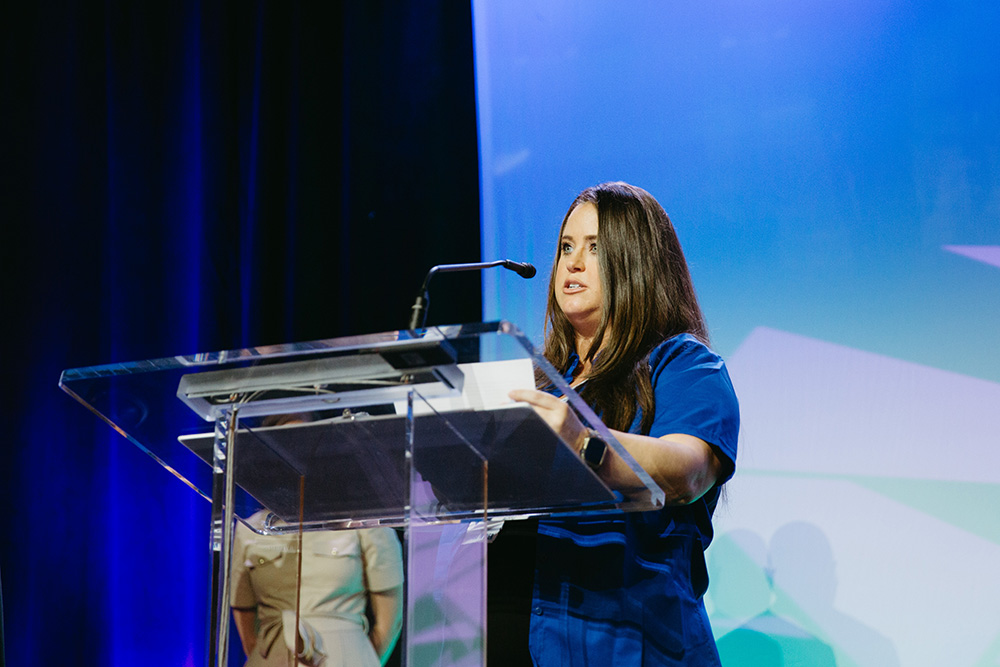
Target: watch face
(593, 451)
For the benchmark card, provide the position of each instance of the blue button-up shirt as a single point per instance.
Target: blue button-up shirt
(626, 589)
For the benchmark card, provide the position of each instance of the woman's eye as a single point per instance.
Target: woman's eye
(593, 248)
(567, 248)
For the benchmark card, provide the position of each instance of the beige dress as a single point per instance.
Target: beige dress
(339, 568)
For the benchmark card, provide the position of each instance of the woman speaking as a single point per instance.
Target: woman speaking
(624, 326)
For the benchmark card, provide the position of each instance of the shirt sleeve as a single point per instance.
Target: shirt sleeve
(694, 395)
(383, 558)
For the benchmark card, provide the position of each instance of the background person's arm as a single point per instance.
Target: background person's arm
(245, 627)
(387, 611)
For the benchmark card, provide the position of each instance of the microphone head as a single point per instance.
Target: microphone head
(523, 269)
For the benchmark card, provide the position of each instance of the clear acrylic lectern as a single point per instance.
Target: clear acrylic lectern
(408, 429)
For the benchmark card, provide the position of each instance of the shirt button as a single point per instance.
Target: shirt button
(333, 551)
(260, 561)
(537, 611)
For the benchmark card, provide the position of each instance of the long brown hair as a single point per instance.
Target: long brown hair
(648, 297)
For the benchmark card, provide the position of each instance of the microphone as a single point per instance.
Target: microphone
(522, 269)
(418, 314)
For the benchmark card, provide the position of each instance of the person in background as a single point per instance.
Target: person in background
(347, 576)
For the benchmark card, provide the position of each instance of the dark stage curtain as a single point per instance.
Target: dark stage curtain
(188, 176)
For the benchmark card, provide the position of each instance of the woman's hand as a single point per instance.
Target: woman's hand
(556, 413)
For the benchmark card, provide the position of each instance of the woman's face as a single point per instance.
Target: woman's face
(578, 275)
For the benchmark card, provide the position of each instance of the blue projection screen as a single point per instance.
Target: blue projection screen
(833, 171)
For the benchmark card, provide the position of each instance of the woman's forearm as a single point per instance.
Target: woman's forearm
(387, 610)
(684, 466)
(245, 627)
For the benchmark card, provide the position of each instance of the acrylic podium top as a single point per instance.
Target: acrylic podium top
(361, 419)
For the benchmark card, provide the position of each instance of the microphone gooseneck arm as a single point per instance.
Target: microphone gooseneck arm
(418, 312)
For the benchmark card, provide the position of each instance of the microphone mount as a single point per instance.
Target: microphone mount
(418, 314)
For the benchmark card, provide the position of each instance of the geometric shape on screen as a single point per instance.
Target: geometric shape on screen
(988, 254)
(813, 407)
(974, 508)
